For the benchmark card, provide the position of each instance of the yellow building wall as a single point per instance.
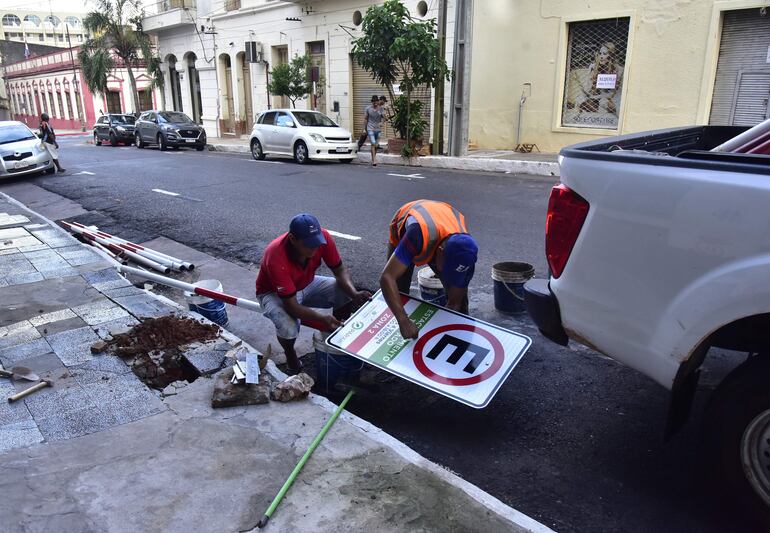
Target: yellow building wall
(667, 81)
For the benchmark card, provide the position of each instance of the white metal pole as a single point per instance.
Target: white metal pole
(743, 138)
(136, 258)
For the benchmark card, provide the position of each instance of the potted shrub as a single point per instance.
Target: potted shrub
(396, 48)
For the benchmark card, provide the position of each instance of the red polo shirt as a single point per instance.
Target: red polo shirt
(279, 274)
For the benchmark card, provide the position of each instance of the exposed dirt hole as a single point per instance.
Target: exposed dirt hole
(155, 345)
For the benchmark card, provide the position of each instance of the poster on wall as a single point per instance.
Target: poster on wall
(596, 58)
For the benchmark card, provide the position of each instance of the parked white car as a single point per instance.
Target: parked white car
(21, 152)
(302, 134)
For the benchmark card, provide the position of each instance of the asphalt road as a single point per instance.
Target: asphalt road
(572, 439)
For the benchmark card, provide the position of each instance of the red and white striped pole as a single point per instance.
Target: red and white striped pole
(208, 293)
(182, 265)
(126, 245)
(136, 258)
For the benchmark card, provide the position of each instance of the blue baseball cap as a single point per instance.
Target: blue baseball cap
(306, 228)
(460, 256)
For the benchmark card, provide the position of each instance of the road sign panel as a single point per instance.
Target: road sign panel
(455, 355)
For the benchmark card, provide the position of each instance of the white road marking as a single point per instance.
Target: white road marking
(271, 162)
(343, 235)
(416, 176)
(161, 191)
(86, 173)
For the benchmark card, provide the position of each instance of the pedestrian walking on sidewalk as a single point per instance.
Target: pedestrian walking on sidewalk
(288, 287)
(426, 232)
(364, 135)
(373, 116)
(48, 138)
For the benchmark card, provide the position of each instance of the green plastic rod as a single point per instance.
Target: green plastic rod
(313, 445)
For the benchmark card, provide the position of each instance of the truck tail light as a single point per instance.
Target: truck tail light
(567, 211)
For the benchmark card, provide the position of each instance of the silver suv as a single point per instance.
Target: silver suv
(168, 129)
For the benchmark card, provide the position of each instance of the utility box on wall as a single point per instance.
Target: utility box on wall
(253, 52)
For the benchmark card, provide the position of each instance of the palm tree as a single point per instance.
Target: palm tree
(116, 30)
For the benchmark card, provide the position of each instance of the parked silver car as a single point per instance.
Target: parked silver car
(21, 152)
(305, 135)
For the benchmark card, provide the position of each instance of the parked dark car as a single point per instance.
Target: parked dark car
(168, 129)
(115, 129)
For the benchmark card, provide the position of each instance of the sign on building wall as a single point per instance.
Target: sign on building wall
(455, 355)
(596, 56)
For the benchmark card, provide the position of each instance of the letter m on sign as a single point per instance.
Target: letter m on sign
(460, 348)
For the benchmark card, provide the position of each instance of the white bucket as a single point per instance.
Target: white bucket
(431, 288)
(197, 299)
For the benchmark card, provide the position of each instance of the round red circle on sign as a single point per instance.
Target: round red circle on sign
(497, 362)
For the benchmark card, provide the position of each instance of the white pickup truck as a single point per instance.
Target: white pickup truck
(658, 250)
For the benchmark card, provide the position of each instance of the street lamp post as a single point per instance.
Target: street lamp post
(78, 105)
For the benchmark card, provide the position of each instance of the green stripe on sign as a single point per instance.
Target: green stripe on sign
(395, 343)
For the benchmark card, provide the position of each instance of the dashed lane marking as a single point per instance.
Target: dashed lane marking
(161, 191)
(344, 235)
(415, 176)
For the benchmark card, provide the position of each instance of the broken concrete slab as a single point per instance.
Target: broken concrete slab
(206, 359)
(227, 394)
(292, 388)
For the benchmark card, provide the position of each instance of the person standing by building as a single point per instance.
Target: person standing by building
(48, 138)
(373, 116)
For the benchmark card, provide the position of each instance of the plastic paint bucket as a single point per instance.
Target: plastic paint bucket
(214, 310)
(431, 288)
(509, 278)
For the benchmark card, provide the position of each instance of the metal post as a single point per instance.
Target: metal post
(78, 108)
(438, 101)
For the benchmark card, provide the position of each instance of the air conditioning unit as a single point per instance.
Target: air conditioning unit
(253, 52)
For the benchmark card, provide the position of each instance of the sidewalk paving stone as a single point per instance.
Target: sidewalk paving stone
(53, 316)
(68, 425)
(106, 364)
(16, 334)
(103, 330)
(99, 312)
(27, 350)
(11, 413)
(103, 275)
(61, 325)
(19, 435)
(21, 279)
(74, 346)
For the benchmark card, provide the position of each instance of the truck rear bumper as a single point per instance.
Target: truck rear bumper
(543, 308)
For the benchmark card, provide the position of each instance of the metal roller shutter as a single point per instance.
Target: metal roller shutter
(742, 84)
(363, 89)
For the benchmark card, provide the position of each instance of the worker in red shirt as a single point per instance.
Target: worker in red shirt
(288, 288)
(427, 232)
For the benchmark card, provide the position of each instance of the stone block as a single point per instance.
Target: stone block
(133, 407)
(19, 435)
(101, 276)
(108, 363)
(99, 312)
(205, 359)
(63, 272)
(58, 400)
(227, 394)
(16, 334)
(62, 325)
(293, 388)
(21, 279)
(113, 284)
(11, 413)
(34, 348)
(114, 327)
(73, 347)
(76, 423)
(53, 316)
(143, 306)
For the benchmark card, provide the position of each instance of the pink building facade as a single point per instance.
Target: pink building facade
(54, 84)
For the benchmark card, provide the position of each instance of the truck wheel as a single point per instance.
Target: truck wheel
(737, 431)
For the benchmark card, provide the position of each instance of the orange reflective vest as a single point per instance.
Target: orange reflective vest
(438, 220)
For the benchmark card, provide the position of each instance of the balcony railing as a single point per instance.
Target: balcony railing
(162, 6)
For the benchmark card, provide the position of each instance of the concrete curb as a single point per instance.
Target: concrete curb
(475, 164)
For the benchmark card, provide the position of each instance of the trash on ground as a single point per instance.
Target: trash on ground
(293, 388)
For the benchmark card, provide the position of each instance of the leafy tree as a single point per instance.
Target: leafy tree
(116, 31)
(397, 48)
(292, 79)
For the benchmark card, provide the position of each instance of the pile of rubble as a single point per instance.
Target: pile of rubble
(169, 352)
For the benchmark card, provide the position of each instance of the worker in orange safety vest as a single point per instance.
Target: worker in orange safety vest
(427, 232)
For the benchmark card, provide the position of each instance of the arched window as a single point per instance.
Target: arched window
(11, 20)
(72, 22)
(53, 20)
(32, 19)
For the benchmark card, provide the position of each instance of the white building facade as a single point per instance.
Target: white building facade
(218, 55)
